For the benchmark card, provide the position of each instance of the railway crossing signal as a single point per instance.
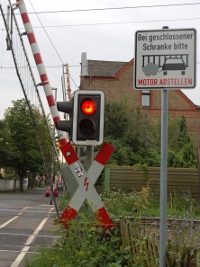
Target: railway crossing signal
(66, 125)
(88, 117)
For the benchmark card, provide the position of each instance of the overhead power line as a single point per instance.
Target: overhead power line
(55, 67)
(111, 23)
(115, 23)
(114, 8)
(47, 35)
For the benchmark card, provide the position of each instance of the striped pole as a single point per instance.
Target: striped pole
(86, 182)
(41, 69)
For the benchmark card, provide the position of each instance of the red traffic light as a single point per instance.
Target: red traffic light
(88, 117)
(88, 107)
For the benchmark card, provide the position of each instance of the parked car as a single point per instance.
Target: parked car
(48, 192)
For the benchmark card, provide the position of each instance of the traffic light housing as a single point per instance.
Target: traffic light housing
(88, 117)
(66, 125)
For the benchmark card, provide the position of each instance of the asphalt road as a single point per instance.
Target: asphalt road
(25, 223)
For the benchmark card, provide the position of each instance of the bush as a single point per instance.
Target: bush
(85, 244)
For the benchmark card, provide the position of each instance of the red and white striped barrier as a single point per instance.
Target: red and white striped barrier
(41, 68)
(85, 180)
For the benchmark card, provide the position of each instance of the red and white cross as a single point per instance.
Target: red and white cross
(86, 181)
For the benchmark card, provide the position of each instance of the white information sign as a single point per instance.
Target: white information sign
(165, 59)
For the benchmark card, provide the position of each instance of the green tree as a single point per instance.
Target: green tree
(3, 142)
(130, 130)
(181, 152)
(137, 138)
(184, 153)
(20, 140)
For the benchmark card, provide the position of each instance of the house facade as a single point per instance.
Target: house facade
(116, 80)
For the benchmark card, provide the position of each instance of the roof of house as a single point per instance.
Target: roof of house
(105, 69)
(101, 68)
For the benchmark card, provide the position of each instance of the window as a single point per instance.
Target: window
(146, 98)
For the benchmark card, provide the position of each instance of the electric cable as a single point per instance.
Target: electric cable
(47, 34)
(114, 8)
(117, 22)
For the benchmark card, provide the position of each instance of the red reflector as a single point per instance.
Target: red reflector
(88, 107)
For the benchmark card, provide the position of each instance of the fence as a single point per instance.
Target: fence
(129, 178)
(141, 235)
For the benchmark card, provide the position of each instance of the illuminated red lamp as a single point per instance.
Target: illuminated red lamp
(88, 107)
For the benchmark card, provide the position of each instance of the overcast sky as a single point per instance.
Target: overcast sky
(106, 34)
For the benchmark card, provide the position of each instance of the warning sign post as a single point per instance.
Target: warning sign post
(165, 59)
